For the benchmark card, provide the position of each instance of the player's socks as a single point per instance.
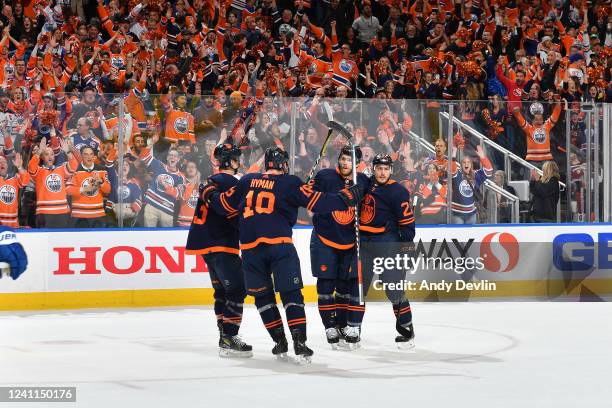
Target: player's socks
(219, 306)
(355, 310)
(342, 297)
(266, 306)
(327, 302)
(294, 310)
(232, 314)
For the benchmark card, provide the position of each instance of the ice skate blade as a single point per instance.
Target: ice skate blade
(350, 346)
(302, 360)
(227, 353)
(282, 357)
(405, 345)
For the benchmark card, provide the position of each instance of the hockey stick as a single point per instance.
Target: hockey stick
(357, 238)
(330, 117)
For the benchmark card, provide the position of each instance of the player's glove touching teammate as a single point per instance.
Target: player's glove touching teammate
(351, 195)
(206, 190)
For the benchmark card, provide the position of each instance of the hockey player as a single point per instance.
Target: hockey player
(332, 247)
(215, 237)
(13, 259)
(267, 205)
(386, 216)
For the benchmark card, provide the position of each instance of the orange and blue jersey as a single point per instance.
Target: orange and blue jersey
(268, 206)
(336, 229)
(463, 189)
(210, 231)
(386, 210)
(164, 180)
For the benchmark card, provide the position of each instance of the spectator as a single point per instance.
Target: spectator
(466, 188)
(545, 191)
(431, 198)
(88, 187)
(503, 205)
(9, 190)
(50, 183)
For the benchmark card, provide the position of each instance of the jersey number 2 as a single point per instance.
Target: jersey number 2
(264, 203)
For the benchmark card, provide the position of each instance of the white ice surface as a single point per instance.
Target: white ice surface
(466, 355)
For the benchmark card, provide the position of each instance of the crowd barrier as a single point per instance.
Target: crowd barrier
(148, 267)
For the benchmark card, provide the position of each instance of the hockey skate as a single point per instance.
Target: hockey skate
(234, 347)
(333, 337)
(281, 347)
(303, 355)
(405, 341)
(352, 337)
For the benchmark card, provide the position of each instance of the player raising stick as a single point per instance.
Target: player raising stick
(215, 237)
(267, 205)
(386, 216)
(332, 247)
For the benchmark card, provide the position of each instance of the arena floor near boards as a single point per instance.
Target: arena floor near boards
(467, 355)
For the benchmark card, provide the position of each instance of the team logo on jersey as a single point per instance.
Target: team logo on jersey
(86, 185)
(517, 92)
(124, 192)
(345, 66)
(312, 69)
(465, 189)
(117, 62)
(7, 194)
(539, 135)
(163, 180)
(181, 125)
(193, 199)
(368, 209)
(53, 182)
(344, 217)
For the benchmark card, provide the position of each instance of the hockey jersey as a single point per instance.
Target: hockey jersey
(189, 199)
(88, 204)
(344, 70)
(336, 229)
(179, 126)
(538, 138)
(50, 182)
(9, 198)
(268, 206)
(463, 190)
(80, 142)
(211, 231)
(386, 209)
(163, 181)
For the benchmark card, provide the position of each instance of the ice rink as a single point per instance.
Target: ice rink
(466, 355)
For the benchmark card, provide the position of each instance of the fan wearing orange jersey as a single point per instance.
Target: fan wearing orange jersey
(50, 183)
(88, 186)
(9, 190)
(538, 134)
(179, 123)
(345, 70)
(188, 194)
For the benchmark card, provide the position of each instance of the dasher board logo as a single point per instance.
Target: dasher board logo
(500, 251)
(7, 194)
(539, 135)
(181, 125)
(465, 189)
(53, 182)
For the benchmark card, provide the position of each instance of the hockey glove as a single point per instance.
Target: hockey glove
(206, 190)
(12, 253)
(351, 195)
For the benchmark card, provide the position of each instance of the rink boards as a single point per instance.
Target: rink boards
(144, 267)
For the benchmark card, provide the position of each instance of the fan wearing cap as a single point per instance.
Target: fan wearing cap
(267, 205)
(214, 236)
(386, 216)
(332, 246)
